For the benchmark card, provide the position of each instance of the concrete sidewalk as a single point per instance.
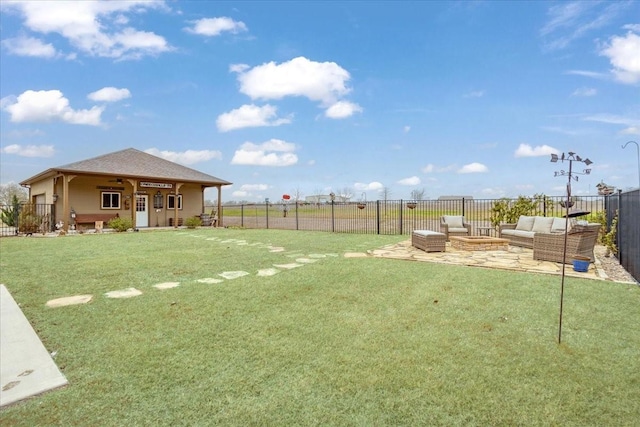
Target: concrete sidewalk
(26, 367)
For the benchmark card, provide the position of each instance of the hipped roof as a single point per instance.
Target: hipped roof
(131, 163)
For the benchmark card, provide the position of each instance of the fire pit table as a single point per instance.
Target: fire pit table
(479, 243)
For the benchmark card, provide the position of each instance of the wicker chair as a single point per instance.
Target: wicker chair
(451, 225)
(580, 242)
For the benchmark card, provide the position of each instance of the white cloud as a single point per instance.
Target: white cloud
(48, 105)
(585, 91)
(254, 187)
(474, 94)
(633, 130)
(570, 21)
(428, 169)
(109, 94)
(29, 150)
(414, 180)
(188, 157)
(342, 109)
(240, 193)
(274, 152)
(29, 46)
(94, 27)
(250, 116)
(591, 74)
(215, 26)
(624, 55)
(526, 150)
(406, 129)
(318, 81)
(372, 186)
(473, 168)
(632, 123)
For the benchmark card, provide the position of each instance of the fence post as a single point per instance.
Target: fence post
(401, 217)
(333, 220)
(463, 206)
(378, 215)
(267, 212)
(618, 234)
(297, 227)
(242, 215)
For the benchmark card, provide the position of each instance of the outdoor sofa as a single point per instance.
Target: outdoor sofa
(521, 233)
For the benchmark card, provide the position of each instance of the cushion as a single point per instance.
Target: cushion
(427, 233)
(558, 225)
(525, 223)
(520, 233)
(454, 221)
(457, 230)
(542, 224)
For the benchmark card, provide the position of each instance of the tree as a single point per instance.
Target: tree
(346, 193)
(417, 194)
(385, 193)
(8, 191)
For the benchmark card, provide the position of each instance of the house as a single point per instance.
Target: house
(149, 190)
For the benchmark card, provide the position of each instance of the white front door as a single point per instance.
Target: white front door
(142, 210)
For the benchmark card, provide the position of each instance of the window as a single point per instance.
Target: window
(171, 201)
(110, 200)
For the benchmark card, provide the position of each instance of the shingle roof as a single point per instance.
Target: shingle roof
(130, 163)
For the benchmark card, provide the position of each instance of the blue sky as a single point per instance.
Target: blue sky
(453, 98)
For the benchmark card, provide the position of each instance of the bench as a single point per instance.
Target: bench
(93, 218)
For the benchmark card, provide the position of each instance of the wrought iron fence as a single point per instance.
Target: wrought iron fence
(389, 216)
(26, 218)
(627, 206)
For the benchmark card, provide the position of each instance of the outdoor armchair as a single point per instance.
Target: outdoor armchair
(454, 225)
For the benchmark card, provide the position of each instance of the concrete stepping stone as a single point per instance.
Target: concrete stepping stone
(233, 274)
(124, 293)
(317, 256)
(288, 266)
(210, 280)
(275, 249)
(166, 285)
(72, 300)
(355, 255)
(265, 272)
(306, 260)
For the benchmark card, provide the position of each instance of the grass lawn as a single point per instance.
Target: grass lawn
(339, 341)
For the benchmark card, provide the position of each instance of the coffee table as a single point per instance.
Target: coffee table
(479, 243)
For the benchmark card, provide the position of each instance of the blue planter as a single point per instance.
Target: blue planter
(581, 265)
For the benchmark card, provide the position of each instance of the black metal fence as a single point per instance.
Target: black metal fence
(627, 206)
(26, 218)
(388, 216)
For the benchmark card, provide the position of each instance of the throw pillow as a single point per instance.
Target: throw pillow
(542, 224)
(453, 221)
(525, 223)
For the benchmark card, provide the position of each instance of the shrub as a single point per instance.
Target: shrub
(120, 224)
(193, 222)
(506, 210)
(28, 220)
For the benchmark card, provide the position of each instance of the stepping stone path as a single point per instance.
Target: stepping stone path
(124, 293)
(300, 260)
(77, 299)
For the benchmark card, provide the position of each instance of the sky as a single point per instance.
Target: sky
(305, 98)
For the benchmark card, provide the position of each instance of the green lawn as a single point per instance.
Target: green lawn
(340, 341)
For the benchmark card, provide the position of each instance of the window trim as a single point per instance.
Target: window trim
(171, 202)
(112, 193)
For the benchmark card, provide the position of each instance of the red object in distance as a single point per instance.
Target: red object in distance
(286, 196)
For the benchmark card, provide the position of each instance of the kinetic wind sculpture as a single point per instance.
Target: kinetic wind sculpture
(570, 157)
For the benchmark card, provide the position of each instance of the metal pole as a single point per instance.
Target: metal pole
(564, 249)
(638, 152)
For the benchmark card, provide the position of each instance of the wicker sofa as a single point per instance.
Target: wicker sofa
(522, 233)
(581, 240)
